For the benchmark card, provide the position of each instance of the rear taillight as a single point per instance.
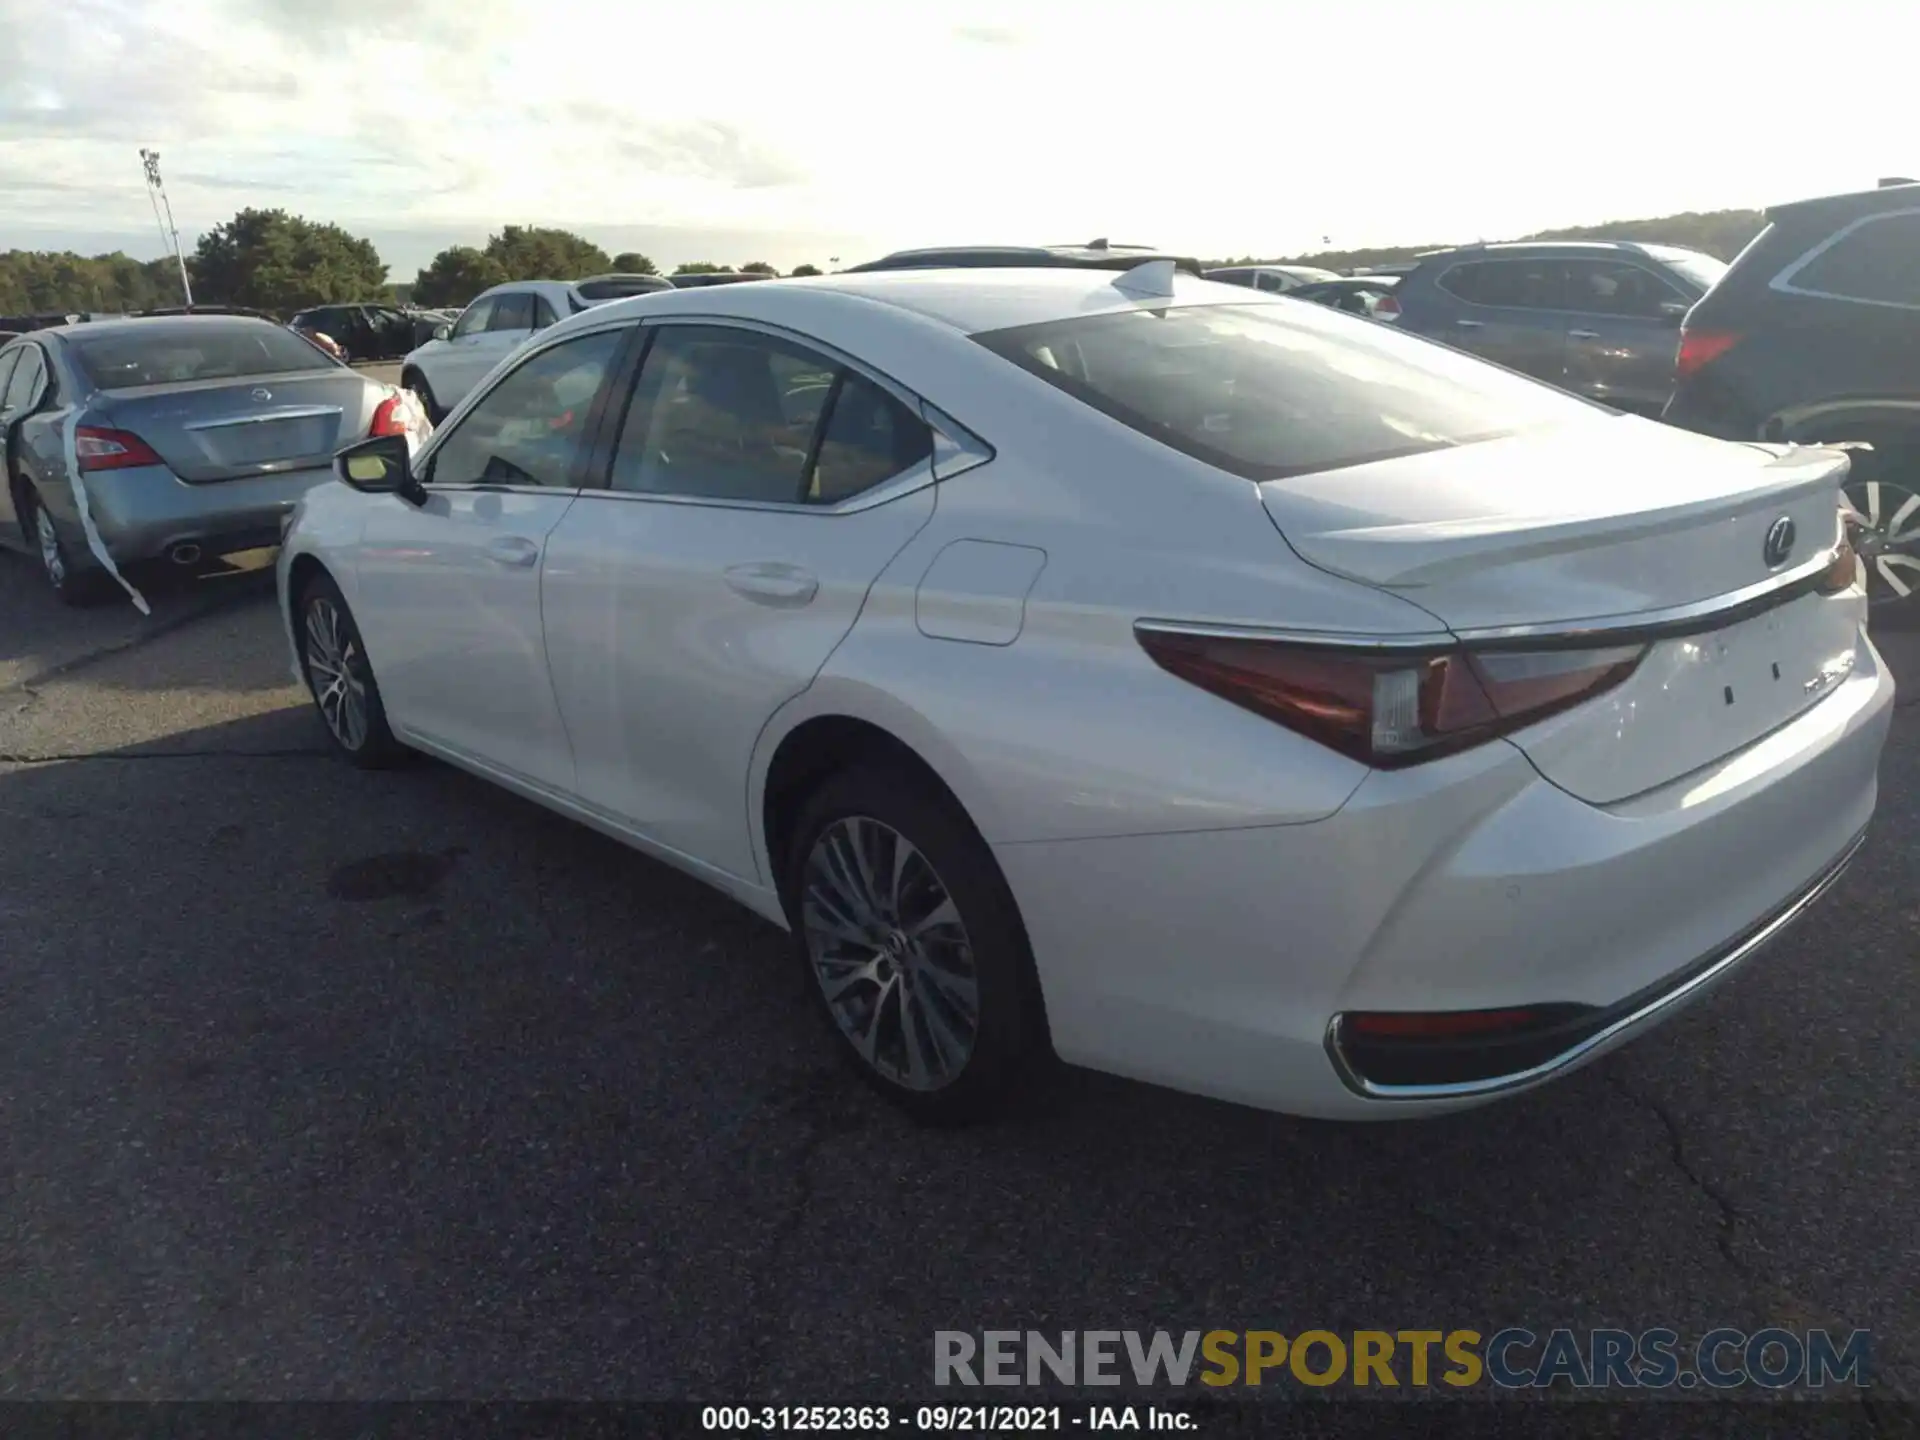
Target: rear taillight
(101, 449)
(1845, 571)
(387, 419)
(1395, 708)
(1700, 348)
(1386, 308)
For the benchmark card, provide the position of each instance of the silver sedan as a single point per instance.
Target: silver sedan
(168, 440)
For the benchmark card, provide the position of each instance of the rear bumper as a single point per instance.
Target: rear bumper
(1216, 961)
(146, 513)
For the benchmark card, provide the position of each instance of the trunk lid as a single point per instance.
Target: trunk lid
(213, 430)
(1601, 522)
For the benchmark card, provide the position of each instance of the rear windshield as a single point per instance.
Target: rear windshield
(1702, 270)
(1280, 389)
(202, 350)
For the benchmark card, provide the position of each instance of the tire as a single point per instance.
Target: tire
(333, 658)
(71, 584)
(422, 391)
(893, 987)
(1883, 488)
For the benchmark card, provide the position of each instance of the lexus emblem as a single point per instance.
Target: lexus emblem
(261, 393)
(1779, 542)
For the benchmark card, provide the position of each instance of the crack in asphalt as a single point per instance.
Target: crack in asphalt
(1728, 1215)
(144, 636)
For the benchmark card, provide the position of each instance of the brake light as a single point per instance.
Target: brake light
(387, 419)
(1700, 348)
(97, 448)
(1386, 308)
(1396, 708)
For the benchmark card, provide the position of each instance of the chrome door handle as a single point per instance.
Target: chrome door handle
(1469, 324)
(1583, 334)
(773, 584)
(513, 550)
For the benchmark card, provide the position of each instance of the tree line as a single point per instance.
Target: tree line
(274, 261)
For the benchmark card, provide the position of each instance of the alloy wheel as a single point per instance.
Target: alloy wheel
(335, 671)
(1887, 538)
(51, 559)
(891, 953)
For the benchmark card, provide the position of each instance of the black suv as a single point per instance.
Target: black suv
(1814, 337)
(1094, 255)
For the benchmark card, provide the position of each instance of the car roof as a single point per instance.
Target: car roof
(1096, 255)
(1903, 196)
(971, 301)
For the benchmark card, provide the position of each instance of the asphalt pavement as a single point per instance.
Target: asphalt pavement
(323, 1084)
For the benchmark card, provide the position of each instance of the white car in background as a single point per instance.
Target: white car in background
(442, 371)
(1214, 689)
(1274, 279)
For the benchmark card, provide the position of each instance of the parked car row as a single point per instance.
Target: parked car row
(1019, 784)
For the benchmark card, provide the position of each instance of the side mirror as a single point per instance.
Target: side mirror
(443, 332)
(380, 465)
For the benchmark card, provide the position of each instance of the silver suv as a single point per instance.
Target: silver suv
(1599, 318)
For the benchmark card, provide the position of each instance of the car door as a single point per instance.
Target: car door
(449, 591)
(756, 488)
(465, 357)
(10, 533)
(1623, 333)
(1510, 311)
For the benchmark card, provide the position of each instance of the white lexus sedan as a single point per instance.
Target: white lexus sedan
(1190, 684)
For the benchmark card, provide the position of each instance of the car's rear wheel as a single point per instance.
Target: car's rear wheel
(340, 678)
(1883, 490)
(915, 948)
(72, 584)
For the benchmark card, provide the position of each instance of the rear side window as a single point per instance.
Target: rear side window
(1268, 391)
(1509, 284)
(24, 386)
(512, 312)
(170, 353)
(1875, 260)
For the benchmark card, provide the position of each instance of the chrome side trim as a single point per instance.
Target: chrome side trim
(1425, 640)
(1675, 618)
(296, 412)
(1643, 1016)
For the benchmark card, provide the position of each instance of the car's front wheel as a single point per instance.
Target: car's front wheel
(913, 944)
(334, 659)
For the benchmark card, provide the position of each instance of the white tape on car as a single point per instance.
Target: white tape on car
(94, 542)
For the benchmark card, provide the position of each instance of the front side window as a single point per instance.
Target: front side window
(474, 318)
(1612, 287)
(512, 312)
(531, 428)
(1268, 391)
(1877, 261)
(8, 359)
(726, 414)
(168, 353)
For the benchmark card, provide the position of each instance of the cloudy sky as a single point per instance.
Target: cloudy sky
(806, 130)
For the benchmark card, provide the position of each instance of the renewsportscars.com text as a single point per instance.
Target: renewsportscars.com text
(1512, 1358)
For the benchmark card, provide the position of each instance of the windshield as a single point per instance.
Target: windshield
(1702, 270)
(168, 354)
(1280, 389)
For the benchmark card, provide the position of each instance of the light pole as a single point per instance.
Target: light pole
(157, 193)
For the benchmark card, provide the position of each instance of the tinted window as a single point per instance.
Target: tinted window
(1513, 284)
(1612, 287)
(1265, 280)
(722, 414)
(23, 386)
(1879, 261)
(167, 352)
(531, 428)
(512, 312)
(8, 359)
(543, 315)
(869, 437)
(1701, 271)
(1274, 390)
(474, 318)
